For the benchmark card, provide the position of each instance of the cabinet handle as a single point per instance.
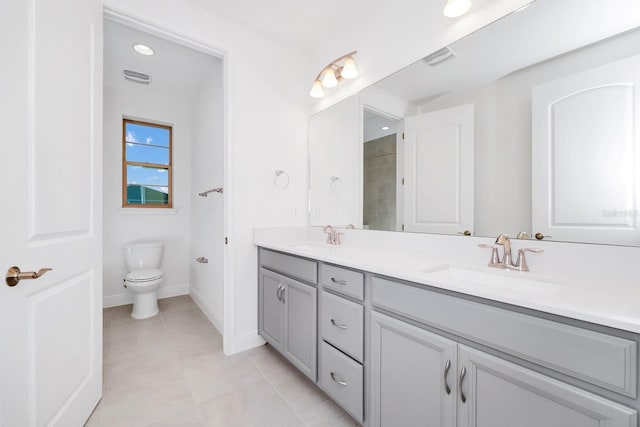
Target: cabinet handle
(447, 366)
(278, 291)
(337, 325)
(342, 383)
(463, 372)
(282, 294)
(339, 282)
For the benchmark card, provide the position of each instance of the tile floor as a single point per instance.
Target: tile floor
(170, 371)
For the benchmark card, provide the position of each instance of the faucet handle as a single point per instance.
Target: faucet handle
(521, 262)
(495, 259)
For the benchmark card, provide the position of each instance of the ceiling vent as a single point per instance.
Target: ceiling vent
(137, 77)
(439, 56)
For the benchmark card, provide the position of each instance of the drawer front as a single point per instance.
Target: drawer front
(345, 281)
(342, 324)
(600, 359)
(341, 378)
(290, 265)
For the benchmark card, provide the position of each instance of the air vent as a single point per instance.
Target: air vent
(136, 76)
(439, 56)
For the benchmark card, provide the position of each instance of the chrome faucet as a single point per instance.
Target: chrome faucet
(507, 262)
(333, 237)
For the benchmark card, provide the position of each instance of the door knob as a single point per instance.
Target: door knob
(14, 275)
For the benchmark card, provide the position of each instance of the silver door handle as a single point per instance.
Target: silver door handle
(14, 275)
(339, 282)
(447, 366)
(278, 291)
(337, 325)
(341, 382)
(463, 372)
(282, 294)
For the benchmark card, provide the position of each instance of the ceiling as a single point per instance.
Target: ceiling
(541, 31)
(174, 68)
(298, 24)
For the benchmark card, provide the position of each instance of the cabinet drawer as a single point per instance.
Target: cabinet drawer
(342, 324)
(341, 378)
(604, 360)
(290, 265)
(345, 281)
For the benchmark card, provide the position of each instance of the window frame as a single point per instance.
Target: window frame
(126, 163)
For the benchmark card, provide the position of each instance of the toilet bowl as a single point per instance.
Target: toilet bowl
(144, 276)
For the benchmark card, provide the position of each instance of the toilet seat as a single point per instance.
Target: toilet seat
(141, 276)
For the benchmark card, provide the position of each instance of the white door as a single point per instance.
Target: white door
(50, 182)
(585, 154)
(438, 171)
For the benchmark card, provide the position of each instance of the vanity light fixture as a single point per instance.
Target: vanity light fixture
(456, 8)
(143, 49)
(338, 70)
(385, 127)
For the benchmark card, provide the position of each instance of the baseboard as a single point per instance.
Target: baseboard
(214, 318)
(127, 298)
(242, 342)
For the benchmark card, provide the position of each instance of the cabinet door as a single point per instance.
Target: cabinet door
(409, 384)
(501, 394)
(300, 326)
(271, 323)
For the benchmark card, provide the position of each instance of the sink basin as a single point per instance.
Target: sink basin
(488, 279)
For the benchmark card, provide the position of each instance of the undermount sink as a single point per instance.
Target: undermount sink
(498, 280)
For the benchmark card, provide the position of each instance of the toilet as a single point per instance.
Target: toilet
(143, 260)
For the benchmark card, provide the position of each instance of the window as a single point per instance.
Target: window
(146, 165)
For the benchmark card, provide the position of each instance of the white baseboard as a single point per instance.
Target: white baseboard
(243, 342)
(127, 298)
(215, 318)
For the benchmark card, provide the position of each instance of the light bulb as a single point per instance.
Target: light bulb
(349, 71)
(329, 78)
(455, 8)
(316, 90)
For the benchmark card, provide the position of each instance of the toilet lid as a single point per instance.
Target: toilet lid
(143, 275)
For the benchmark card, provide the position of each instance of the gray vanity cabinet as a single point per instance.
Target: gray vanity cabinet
(498, 393)
(413, 375)
(272, 313)
(287, 308)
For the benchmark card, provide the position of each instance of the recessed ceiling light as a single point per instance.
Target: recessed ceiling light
(143, 49)
(385, 127)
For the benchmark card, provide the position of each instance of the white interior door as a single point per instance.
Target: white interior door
(438, 171)
(50, 181)
(585, 155)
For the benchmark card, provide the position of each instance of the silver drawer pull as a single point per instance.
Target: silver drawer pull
(447, 366)
(339, 282)
(463, 372)
(337, 325)
(340, 382)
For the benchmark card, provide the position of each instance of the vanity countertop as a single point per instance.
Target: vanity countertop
(615, 304)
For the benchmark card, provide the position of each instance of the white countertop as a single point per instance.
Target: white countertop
(579, 296)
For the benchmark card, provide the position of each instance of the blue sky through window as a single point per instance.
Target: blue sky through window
(147, 144)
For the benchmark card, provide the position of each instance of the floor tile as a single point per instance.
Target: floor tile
(253, 405)
(170, 371)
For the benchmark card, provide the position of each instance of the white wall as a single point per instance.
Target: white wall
(124, 225)
(267, 113)
(207, 213)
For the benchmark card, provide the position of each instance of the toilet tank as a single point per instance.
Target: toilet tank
(143, 255)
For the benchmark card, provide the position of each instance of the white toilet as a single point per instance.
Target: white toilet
(143, 260)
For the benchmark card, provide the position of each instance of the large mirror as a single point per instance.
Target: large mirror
(528, 126)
